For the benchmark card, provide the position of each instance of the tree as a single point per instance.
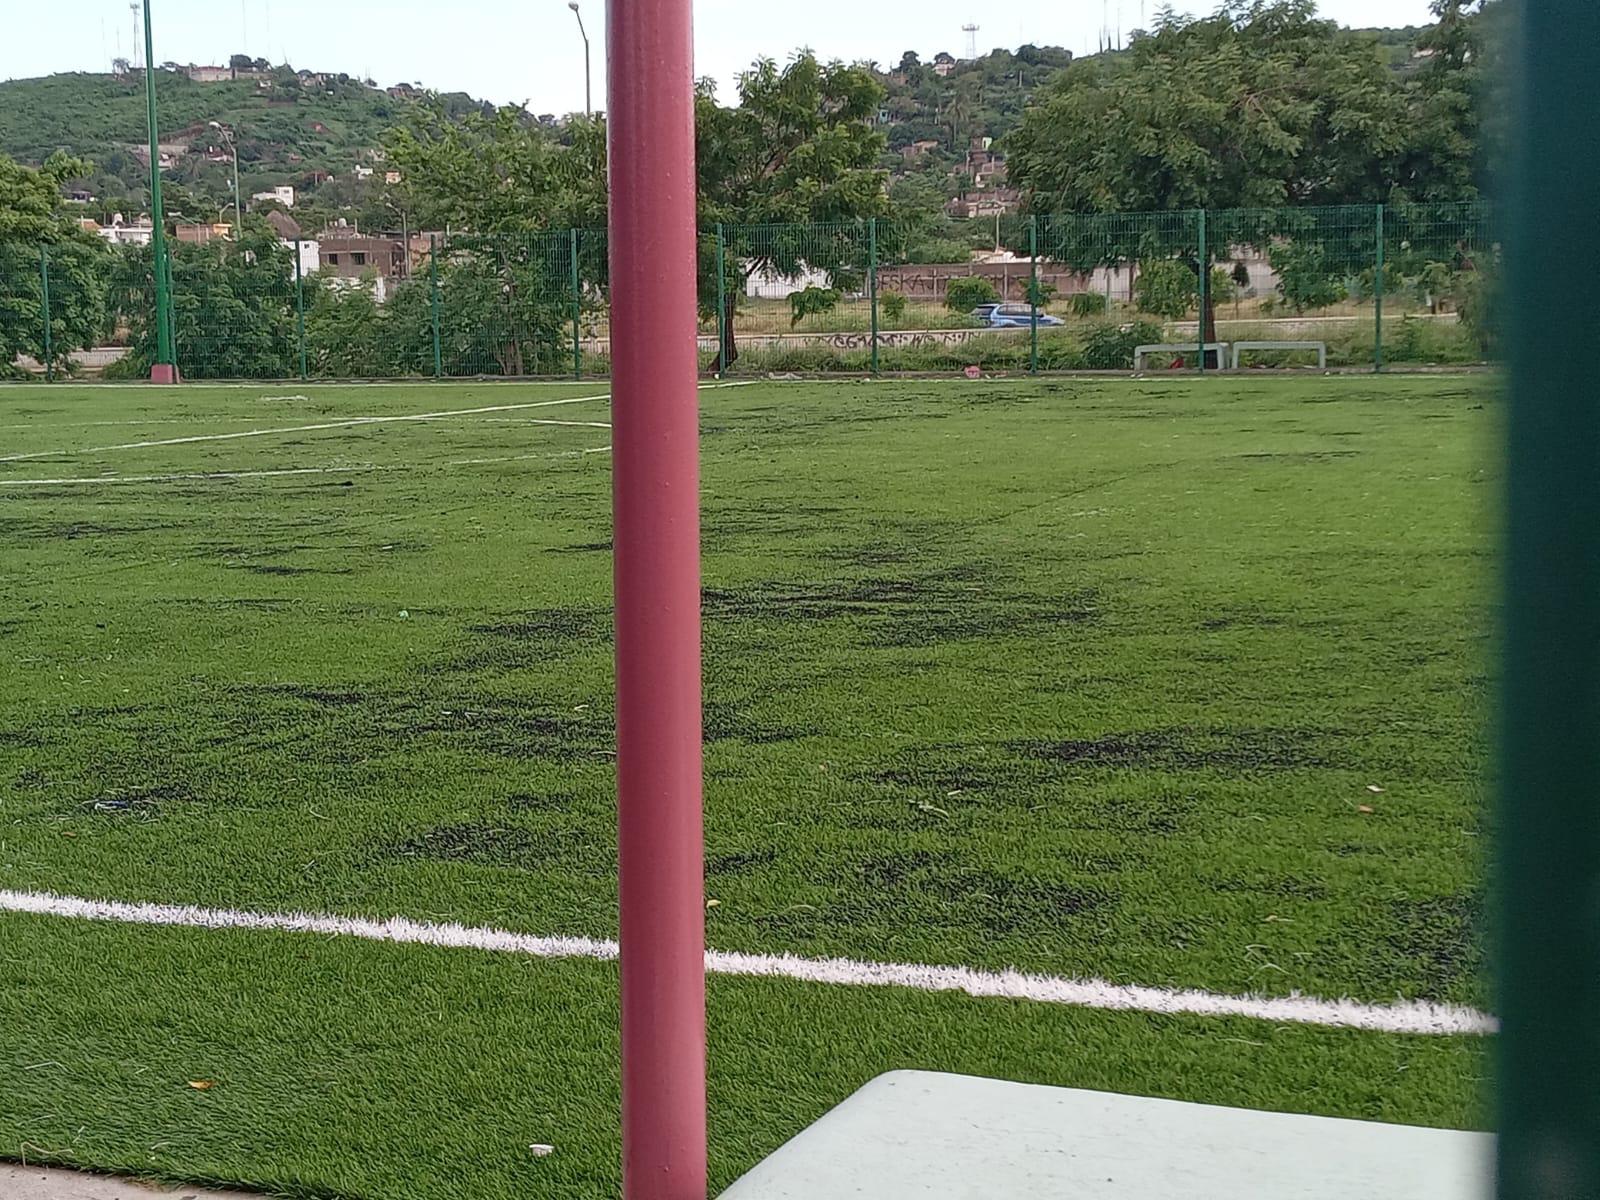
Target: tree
(232, 307)
(965, 294)
(1258, 106)
(33, 218)
(797, 149)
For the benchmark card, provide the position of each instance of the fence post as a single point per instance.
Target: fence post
(172, 310)
(1033, 293)
(433, 290)
(1205, 289)
(300, 304)
(872, 284)
(722, 305)
(44, 285)
(577, 310)
(1377, 301)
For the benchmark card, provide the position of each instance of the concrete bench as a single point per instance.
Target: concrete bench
(1320, 347)
(1221, 349)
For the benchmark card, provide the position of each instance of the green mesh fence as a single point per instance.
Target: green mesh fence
(1367, 286)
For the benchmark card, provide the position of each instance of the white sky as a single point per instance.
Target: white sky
(514, 50)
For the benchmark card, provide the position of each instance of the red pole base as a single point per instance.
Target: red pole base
(164, 373)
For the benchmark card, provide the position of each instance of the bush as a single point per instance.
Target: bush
(1110, 347)
(1087, 304)
(811, 301)
(1305, 279)
(1166, 288)
(893, 305)
(964, 295)
(1478, 303)
(1041, 293)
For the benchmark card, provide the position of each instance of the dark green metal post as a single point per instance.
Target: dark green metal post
(433, 291)
(577, 310)
(1378, 298)
(44, 289)
(1033, 294)
(166, 360)
(1547, 951)
(1205, 289)
(300, 306)
(872, 284)
(722, 305)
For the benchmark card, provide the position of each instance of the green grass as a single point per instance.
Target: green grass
(1081, 678)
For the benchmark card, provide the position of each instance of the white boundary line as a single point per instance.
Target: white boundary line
(350, 469)
(347, 423)
(1402, 1017)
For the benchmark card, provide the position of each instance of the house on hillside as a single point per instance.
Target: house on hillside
(917, 149)
(943, 64)
(209, 74)
(193, 233)
(283, 194)
(120, 232)
(355, 256)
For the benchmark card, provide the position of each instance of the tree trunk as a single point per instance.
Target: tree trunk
(729, 352)
(1208, 331)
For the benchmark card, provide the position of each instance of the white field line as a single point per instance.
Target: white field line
(1401, 1017)
(352, 469)
(347, 423)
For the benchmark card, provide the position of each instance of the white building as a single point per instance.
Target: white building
(769, 284)
(308, 251)
(283, 194)
(121, 233)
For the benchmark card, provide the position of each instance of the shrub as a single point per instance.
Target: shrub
(964, 295)
(1110, 347)
(1087, 304)
(1166, 288)
(1305, 279)
(893, 305)
(811, 301)
(1041, 293)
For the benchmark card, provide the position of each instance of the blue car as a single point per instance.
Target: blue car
(1010, 316)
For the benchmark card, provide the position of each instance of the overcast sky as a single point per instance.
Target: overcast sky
(516, 50)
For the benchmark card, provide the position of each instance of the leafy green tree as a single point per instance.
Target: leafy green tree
(233, 308)
(811, 301)
(32, 217)
(894, 307)
(1165, 287)
(965, 294)
(1257, 106)
(797, 149)
(1306, 279)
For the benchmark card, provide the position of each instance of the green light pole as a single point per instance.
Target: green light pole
(165, 369)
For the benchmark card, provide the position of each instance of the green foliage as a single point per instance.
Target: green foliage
(965, 294)
(1259, 104)
(893, 305)
(1041, 292)
(811, 301)
(1306, 279)
(232, 307)
(1478, 303)
(33, 218)
(1222, 285)
(1166, 287)
(1110, 347)
(1087, 304)
(496, 174)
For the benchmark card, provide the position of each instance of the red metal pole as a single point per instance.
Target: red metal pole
(656, 532)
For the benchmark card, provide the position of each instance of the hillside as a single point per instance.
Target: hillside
(292, 127)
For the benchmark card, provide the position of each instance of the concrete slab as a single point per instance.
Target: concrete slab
(920, 1135)
(43, 1183)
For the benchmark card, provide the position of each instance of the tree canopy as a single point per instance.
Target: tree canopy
(1260, 104)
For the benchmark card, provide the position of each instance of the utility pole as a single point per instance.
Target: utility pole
(165, 368)
(232, 143)
(588, 95)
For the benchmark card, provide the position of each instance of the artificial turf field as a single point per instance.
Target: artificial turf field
(1090, 679)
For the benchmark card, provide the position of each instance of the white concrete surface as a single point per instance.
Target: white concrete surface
(919, 1135)
(41, 1183)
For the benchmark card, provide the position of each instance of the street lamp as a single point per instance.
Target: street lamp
(588, 97)
(229, 141)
